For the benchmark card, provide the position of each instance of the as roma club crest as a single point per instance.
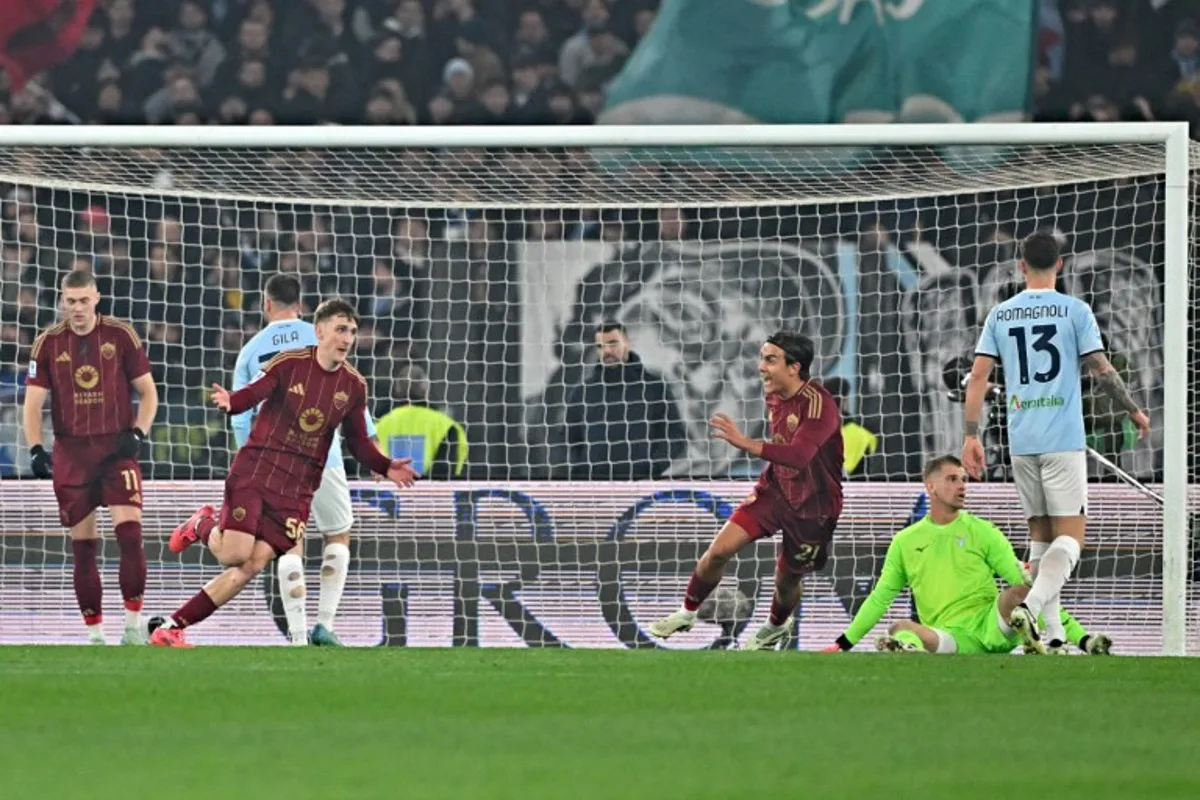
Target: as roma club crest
(87, 376)
(239, 513)
(793, 422)
(340, 399)
(108, 350)
(312, 420)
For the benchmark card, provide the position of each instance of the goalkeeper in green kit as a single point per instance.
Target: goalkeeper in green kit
(951, 559)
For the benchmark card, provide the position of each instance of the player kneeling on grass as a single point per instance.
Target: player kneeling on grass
(798, 493)
(950, 560)
(305, 395)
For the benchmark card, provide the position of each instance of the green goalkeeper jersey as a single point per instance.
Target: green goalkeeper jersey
(951, 569)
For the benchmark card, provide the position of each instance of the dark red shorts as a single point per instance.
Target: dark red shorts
(805, 546)
(278, 521)
(87, 475)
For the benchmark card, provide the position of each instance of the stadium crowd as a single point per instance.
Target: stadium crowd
(435, 288)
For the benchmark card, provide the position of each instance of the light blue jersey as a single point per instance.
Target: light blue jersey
(1040, 338)
(278, 337)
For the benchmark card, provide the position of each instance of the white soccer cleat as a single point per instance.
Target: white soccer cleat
(769, 636)
(97, 638)
(676, 622)
(1025, 626)
(133, 635)
(1099, 644)
(890, 644)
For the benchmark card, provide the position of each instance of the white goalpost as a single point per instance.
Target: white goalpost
(483, 260)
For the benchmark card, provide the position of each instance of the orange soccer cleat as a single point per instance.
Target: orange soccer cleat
(168, 637)
(186, 534)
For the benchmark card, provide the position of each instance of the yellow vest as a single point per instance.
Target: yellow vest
(427, 423)
(857, 444)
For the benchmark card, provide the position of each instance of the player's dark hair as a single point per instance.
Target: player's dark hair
(1039, 251)
(610, 325)
(934, 465)
(797, 349)
(283, 289)
(79, 279)
(335, 307)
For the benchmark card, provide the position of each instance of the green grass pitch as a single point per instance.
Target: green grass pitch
(406, 723)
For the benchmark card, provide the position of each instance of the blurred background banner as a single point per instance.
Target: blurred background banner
(830, 61)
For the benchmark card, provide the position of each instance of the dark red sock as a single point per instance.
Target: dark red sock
(779, 612)
(88, 591)
(205, 527)
(198, 609)
(697, 590)
(133, 564)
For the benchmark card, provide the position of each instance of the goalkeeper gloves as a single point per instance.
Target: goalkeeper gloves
(130, 443)
(41, 462)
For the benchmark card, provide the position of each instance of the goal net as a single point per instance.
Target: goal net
(585, 491)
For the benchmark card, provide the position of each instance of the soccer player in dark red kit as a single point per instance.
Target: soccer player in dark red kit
(305, 394)
(799, 492)
(91, 364)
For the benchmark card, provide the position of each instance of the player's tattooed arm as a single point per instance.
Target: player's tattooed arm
(1110, 381)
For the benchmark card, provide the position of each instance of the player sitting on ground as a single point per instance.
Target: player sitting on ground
(1041, 337)
(950, 559)
(305, 395)
(331, 509)
(90, 362)
(798, 493)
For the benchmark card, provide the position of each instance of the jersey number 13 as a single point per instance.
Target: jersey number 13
(1043, 342)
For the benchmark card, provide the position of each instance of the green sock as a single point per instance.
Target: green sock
(910, 637)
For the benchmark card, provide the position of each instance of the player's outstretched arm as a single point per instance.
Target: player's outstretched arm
(35, 404)
(1110, 381)
(354, 428)
(892, 580)
(812, 432)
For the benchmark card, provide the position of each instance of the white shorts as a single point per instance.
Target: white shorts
(1052, 484)
(331, 512)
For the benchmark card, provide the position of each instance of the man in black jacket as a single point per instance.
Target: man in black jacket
(622, 423)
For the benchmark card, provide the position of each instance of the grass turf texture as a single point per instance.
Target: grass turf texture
(276, 722)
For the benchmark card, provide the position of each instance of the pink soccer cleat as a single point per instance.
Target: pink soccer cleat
(185, 535)
(168, 637)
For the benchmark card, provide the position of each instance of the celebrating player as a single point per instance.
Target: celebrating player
(89, 363)
(950, 559)
(798, 493)
(305, 395)
(1040, 337)
(331, 504)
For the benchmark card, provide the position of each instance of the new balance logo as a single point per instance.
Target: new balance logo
(297, 388)
(63, 358)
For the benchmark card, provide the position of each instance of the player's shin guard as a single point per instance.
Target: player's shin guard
(697, 592)
(335, 564)
(1053, 571)
(132, 574)
(88, 591)
(294, 594)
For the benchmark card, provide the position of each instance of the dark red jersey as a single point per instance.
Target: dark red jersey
(302, 405)
(805, 452)
(89, 377)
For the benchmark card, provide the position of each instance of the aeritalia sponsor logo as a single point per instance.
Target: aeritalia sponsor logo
(1015, 403)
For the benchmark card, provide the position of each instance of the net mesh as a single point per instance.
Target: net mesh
(487, 272)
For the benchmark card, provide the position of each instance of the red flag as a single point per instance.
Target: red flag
(39, 34)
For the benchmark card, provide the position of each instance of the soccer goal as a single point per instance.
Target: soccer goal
(487, 264)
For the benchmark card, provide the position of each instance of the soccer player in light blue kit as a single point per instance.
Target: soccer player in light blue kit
(331, 504)
(1041, 339)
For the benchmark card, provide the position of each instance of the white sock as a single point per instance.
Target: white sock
(292, 590)
(1052, 611)
(334, 566)
(1053, 570)
(687, 613)
(95, 632)
(133, 619)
